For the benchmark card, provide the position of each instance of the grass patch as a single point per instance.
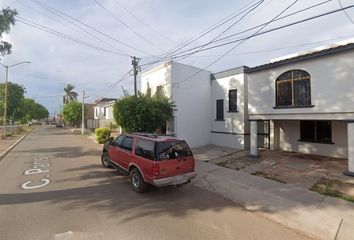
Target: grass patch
(268, 176)
(328, 187)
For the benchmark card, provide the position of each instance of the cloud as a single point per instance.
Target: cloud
(56, 61)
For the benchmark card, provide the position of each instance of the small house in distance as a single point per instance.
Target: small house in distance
(103, 111)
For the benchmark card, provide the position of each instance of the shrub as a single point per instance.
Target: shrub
(143, 113)
(102, 135)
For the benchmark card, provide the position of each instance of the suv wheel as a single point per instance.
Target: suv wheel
(105, 159)
(137, 181)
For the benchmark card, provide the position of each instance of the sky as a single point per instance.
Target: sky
(93, 57)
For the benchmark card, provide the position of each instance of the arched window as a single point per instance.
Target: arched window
(293, 89)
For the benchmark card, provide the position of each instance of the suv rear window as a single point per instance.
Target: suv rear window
(173, 150)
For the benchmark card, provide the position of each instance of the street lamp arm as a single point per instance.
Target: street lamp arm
(13, 65)
(19, 64)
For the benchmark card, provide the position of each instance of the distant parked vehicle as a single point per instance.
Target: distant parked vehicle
(150, 159)
(59, 124)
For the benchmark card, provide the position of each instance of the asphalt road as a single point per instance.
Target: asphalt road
(79, 199)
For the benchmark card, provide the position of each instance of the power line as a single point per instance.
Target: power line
(244, 31)
(232, 25)
(345, 12)
(278, 19)
(261, 25)
(264, 32)
(218, 59)
(110, 87)
(97, 39)
(143, 22)
(275, 49)
(90, 27)
(63, 35)
(205, 32)
(127, 26)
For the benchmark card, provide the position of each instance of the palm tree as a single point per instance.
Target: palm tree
(70, 95)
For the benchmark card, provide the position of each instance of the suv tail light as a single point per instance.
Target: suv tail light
(156, 170)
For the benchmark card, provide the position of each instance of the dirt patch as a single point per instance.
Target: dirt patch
(236, 161)
(303, 170)
(334, 188)
(270, 176)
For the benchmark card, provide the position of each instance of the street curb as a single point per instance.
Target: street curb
(2, 155)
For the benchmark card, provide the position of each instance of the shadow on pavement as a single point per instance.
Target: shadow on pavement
(112, 194)
(67, 152)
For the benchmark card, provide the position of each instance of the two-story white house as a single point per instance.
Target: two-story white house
(301, 103)
(308, 101)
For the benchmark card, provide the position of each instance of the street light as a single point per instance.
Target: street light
(5, 92)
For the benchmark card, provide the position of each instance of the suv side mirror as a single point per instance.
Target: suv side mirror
(110, 140)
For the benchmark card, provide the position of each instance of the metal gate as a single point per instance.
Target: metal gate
(263, 134)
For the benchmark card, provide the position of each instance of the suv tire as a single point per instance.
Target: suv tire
(105, 160)
(137, 182)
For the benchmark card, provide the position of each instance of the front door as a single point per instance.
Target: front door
(263, 134)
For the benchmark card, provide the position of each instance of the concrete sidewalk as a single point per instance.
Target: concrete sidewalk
(310, 213)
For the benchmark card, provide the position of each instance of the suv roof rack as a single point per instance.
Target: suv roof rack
(153, 135)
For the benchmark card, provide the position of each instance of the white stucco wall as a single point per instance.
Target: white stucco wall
(103, 111)
(289, 134)
(332, 89)
(232, 131)
(98, 114)
(159, 76)
(192, 98)
(109, 112)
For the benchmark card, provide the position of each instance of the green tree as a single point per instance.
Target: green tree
(70, 95)
(29, 110)
(144, 113)
(7, 18)
(14, 98)
(72, 112)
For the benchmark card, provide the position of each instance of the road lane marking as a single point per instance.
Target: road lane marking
(40, 166)
(26, 185)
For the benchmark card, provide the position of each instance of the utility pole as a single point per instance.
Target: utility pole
(83, 113)
(135, 70)
(5, 101)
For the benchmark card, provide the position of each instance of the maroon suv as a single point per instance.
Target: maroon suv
(150, 159)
